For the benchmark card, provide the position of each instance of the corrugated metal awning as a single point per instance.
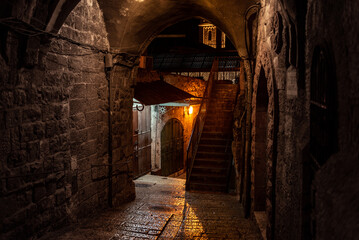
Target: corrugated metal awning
(195, 62)
(157, 92)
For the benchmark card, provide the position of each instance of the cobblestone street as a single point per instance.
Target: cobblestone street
(163, 210)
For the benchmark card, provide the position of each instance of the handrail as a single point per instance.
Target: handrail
(200, 120)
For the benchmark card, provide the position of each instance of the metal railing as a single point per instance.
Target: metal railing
(200, 120)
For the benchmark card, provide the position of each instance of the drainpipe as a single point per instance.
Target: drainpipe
(248, 71)
(108, 68)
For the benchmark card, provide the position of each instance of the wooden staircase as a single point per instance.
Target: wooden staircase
(212, 160)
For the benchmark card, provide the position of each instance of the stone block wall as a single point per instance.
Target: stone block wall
(277, 66)
(80, 71)
(334, 26)
(54, 127)
(123, 188)
(281, 43)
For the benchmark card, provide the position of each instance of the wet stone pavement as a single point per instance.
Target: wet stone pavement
(163, 210)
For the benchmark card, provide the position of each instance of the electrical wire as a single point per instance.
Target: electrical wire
(26, 29)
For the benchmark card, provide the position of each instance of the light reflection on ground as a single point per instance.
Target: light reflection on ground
(163, 210)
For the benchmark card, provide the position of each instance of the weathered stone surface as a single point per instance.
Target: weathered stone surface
(50, 125)
(39, 191)
(167, 216)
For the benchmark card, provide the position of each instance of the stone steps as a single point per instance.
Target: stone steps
(213, 158)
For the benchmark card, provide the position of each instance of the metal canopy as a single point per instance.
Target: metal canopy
(157, 92)
(195, 62)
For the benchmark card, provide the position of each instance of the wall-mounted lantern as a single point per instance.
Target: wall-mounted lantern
(190, 110)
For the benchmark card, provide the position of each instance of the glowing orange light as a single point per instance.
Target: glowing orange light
(190, 110)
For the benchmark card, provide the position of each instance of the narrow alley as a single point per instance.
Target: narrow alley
(163, 210)
(179, 119)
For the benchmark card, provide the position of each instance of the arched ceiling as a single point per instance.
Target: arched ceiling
(132, 24)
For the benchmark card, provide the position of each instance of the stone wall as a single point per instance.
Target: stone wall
(277, 66)
(280, 52)
(191, 85)
(335, 25)
(80, 72)
(54, 127)
(123, 188)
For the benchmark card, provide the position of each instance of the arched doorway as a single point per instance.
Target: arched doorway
(264, 145)
(171, 147)
(323, 133)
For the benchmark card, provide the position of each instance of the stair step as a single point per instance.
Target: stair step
(220, 102)
(222, 109)
(219, 116)
(224, 86)
(218, 122)
(219, 108)
(208, 175)
(211, 148)
(214, 99)
(213, 155)
(225, 82)
(222, 96)
(213, 128)
(213, 141)
(211, 161)
(208, 179)
(211, 110)
(217, 102)
(202, 171)
(217, 135)
(224, 129)
(224, 89)
(209, 165)
(208, 187)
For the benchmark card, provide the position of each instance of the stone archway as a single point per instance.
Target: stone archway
(132, 25)
(264, 73)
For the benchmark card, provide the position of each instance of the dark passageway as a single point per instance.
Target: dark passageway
(265, 92)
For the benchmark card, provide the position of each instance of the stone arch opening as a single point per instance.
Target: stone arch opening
(323, 133)
(264, 82)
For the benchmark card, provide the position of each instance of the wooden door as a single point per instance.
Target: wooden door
(142, 142)
(171, 147)
(135, 142)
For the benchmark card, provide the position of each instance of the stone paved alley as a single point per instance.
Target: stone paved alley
(163, 210)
